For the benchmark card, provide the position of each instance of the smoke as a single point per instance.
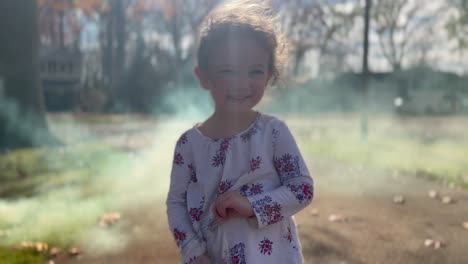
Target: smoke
(122, 163)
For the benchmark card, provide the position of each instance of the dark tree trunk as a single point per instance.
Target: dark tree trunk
(61, 29)
(117, 49)
(365, 74)
(22, 113)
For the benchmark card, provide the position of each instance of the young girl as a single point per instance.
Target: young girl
(238, 177)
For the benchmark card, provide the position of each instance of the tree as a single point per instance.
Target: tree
(316, 25)
(400, 24)
(53, 20)
(174, 23)
(365, 72)
(22, 114)
(458, 24)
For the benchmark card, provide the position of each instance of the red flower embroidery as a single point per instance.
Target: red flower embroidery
(182, 140)
(193, 174)
(289, 235)
(255, 164)
(254, 189)
(224, 186)
(287, 166)
(237, 254)
(247, 135)
(303, 192)
(196, 212)
(179, 236)
(266, 246)
(220, 156)
(178, 159)
(268, 211)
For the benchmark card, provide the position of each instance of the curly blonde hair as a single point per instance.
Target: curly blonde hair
(244, 17)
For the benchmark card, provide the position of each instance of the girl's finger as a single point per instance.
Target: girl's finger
(222, 208)
(224, 205)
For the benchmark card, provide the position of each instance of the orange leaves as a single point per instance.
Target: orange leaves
(91, 6)
(141, 7)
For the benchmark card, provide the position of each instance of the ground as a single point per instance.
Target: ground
(374, 228)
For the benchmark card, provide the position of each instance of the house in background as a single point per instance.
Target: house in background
(60, 76)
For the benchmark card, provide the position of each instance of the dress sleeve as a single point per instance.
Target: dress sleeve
(190, 244)
(297, 186)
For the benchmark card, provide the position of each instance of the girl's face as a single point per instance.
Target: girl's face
(237, 74)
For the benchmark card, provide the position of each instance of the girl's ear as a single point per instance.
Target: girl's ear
(201, 76)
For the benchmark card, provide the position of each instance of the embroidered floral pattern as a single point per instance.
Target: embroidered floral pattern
(302, 191)
(289, 235)
(274, 134)
(268, 210)
(247, 135)
(223, 147)
(220, 156)
(253, 189)
(193, 173)
(266, 246)
(237, 254)
(179, 236)
(196, 212)
(287, 166)
(182, 140)
(224, 186)
(255, 164)
(178, 159)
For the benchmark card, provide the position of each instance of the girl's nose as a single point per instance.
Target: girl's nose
(241, 86)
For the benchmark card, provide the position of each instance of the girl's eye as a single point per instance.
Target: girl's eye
(257, 72)
(225, 71)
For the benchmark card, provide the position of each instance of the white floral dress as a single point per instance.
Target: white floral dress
(262, 163)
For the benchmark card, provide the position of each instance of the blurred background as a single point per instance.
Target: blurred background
(94, 94)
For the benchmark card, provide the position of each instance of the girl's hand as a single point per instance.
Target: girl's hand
(232, 204)
(202, 260)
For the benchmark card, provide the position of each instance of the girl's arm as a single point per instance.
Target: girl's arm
(297, 186)
(190, 244)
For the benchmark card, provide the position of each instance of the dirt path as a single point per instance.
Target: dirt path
(375, 229)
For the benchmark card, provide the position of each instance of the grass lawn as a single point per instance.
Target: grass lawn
(431, 147)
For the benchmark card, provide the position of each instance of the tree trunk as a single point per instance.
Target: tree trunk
(117, 49)
(22, 112)
(61, 29)
(365, 74)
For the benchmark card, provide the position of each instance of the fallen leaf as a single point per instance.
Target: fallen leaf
(433, 243)
(428, 242)
(438, 244)
(74, 251)
(433, 194)
(109, 219)
(314, 212)
(26, 245)
(398, 199)
(447, 200)
(337, 218)
(465, 225)
(41, 246)
(54, 251)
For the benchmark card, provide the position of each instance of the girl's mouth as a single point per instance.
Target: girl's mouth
(238, 98)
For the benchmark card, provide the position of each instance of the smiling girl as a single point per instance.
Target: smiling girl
(238, 177)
